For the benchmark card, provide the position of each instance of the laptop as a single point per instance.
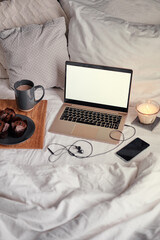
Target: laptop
(96, 101)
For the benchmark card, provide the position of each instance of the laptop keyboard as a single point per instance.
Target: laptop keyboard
(91, 117)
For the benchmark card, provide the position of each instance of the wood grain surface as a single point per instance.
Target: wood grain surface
(38, 115)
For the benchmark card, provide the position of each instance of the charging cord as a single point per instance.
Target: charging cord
(80, 153)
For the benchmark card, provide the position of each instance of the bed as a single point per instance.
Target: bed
(45, 196)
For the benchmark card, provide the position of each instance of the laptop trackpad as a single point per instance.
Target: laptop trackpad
(84, 131)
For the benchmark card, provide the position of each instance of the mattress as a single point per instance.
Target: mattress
(62, 197)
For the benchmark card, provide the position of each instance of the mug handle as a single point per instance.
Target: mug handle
(35, 88)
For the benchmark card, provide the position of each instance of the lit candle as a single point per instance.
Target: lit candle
(147, 108)
(147, 111)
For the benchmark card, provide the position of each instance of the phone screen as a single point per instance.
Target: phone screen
(132, 149)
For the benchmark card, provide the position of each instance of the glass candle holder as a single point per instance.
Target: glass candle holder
(147, 111)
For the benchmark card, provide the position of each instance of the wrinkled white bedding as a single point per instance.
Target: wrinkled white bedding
(97, 198)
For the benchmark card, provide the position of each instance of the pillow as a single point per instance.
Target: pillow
(16, 13)
(96, 38)
(3, 73)
(36, 52)
(66, 7)
(141, 11)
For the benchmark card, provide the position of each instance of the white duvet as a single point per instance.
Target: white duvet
(72, 199)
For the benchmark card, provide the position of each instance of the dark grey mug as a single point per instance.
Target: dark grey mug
(25, 94)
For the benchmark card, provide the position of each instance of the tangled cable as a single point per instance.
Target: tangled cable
(80, 153)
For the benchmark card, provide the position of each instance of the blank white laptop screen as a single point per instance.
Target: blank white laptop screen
(100, 86)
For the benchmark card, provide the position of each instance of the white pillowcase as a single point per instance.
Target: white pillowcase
(66, 7)
(96, 38)
(140, 11)
(16, 13)
(3, 73)
(36, 52)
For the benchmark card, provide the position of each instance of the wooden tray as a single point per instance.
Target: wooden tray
(38, 115)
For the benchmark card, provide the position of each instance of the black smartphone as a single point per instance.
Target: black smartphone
(132, 149)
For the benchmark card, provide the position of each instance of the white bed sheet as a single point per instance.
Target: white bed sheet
(95, 198)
